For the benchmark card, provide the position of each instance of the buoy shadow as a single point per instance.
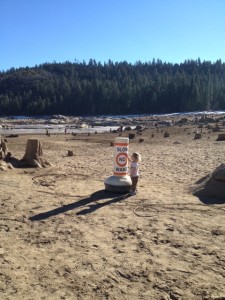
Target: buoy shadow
(109, 198)
(211, 201)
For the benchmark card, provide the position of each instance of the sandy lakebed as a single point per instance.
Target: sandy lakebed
(63, 237)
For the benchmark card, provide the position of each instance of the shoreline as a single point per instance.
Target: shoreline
(107, 120)
(76, 125)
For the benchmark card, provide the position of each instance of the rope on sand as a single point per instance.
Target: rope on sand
(57, 175)
(63, 194)
(173, 207)
(21, 220)
(135, 212)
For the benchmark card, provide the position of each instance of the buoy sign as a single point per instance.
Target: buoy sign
(121, 161)
(122, 149)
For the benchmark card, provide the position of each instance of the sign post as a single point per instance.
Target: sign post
(120, 182)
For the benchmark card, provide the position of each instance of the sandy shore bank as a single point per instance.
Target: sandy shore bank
(64, 237)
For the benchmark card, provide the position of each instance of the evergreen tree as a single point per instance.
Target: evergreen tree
(113, 88)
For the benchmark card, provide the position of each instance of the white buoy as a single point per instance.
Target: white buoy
(120, 182)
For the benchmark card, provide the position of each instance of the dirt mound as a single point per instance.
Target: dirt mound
(212, 185)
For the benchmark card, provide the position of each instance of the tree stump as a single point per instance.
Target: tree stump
(3, 148)
(197, 136)
(131, 136)
(216, 128)
(166, 134)
(33, 155)
(221, 137)
(70, 153)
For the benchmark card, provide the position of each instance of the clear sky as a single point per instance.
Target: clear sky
(38, 31)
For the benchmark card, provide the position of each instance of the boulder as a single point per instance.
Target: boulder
(128, 128)
(139, 127)
(212, 185)
(183, 121)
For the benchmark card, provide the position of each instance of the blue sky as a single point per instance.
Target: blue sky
(38, 31)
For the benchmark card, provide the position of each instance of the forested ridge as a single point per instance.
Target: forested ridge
(91, 88)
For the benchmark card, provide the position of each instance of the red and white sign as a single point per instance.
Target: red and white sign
(121, 154)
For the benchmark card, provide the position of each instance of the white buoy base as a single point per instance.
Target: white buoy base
(118, 184)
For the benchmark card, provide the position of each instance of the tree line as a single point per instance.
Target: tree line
(94, 88)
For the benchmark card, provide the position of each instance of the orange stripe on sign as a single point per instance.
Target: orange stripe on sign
(120, 174)
(121, 144)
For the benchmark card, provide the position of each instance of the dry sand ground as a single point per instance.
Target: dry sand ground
(84, 243)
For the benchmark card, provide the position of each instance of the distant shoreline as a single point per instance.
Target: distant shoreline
(58, 124)
(102, 118)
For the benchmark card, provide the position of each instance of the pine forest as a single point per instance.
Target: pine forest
(93, 88)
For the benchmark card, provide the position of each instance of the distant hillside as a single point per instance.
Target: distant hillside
(113, 88)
